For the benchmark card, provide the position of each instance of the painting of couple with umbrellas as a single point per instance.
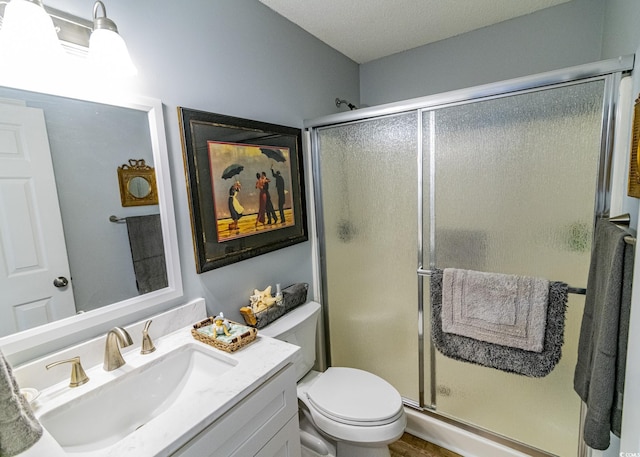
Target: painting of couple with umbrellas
(251, 187)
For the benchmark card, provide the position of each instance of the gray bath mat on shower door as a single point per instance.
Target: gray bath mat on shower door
(509, 359)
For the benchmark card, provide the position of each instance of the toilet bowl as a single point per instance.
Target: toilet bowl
(355, 412)
(353, 407)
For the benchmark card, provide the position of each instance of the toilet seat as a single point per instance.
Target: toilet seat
(355, 397)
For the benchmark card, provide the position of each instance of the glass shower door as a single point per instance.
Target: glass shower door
(512, 184)
(369, 212)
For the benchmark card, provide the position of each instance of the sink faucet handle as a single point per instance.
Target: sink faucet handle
(78, 376)
(147, 345)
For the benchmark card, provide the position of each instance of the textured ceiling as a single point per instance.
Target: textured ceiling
(366, 30)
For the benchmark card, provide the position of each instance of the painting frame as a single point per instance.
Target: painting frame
(227, 207)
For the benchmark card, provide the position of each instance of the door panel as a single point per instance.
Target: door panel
(32, 246)
(515, 187)
(370, 220)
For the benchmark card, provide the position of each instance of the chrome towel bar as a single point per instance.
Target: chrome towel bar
(622, 220)
(570, 289)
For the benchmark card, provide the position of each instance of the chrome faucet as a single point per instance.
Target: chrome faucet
(116, 338)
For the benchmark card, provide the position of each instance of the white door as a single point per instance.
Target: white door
(33, 253)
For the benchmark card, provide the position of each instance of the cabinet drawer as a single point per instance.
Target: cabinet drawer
(248, 426)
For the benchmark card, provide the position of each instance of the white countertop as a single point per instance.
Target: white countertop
(163, 435)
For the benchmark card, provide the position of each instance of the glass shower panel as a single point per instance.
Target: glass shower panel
(515, 184)
(368, 174)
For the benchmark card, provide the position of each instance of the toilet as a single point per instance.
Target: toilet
(344, 412)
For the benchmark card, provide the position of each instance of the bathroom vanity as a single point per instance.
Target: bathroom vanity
(185, 399)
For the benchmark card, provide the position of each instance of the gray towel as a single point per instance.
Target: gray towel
(509, 359)
(19, 429)
(508, 310)
(147, 252)
(595, 374)
(623, 338)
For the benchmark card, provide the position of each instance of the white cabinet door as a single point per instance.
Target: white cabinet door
(33, 252)
(264, 423)
(286, 443)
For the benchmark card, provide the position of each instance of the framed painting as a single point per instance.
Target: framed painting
(633, 187)
(245, 182)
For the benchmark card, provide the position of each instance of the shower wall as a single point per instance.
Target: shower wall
(504, 184)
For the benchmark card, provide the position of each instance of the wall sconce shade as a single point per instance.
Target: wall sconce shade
(32, 37)
(107, 50)
(28, 37)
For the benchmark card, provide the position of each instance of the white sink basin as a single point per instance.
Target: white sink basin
(110, 412)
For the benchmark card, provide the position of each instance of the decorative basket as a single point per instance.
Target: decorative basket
(292, 297)
(241, 335)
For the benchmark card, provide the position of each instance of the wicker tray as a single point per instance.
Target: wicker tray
(241, 335)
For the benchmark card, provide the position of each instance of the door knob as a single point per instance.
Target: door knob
(61, 281)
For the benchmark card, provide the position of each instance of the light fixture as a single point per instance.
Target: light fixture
(107, 49)
(28, 37)
(34, 38)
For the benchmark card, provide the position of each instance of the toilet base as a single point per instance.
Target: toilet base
(312, 442)
(315, 444)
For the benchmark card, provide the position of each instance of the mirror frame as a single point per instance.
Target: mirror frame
(147, 303)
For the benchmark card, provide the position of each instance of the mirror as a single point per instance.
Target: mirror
(139, 187)
(89, 137)
(137, 183)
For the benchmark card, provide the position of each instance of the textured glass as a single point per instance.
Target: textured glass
(368, 187)
(508, 186)
(515, 182)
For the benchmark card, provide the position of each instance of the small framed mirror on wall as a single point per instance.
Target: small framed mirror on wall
(137, 183)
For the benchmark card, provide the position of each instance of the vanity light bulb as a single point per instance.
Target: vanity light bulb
(108, 53)
(28, 40)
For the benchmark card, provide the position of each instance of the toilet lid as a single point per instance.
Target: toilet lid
(354, 396)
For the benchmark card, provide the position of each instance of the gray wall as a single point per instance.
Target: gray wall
(621, 31)
(562, 36)
(239, 58)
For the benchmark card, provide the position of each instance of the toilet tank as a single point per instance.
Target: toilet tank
(298, 327)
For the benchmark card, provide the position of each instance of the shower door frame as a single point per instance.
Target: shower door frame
(610, 71)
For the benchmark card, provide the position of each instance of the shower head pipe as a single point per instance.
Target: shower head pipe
(345, 102)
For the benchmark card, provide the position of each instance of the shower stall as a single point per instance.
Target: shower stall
(502, 178)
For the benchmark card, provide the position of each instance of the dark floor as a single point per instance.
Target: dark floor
(410, 446)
